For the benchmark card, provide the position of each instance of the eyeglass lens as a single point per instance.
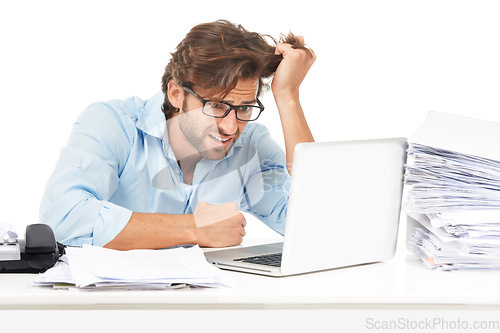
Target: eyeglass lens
(218, 109)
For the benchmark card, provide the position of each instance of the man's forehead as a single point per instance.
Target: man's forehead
(245, 89)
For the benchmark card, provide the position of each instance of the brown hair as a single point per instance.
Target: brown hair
(216, 55)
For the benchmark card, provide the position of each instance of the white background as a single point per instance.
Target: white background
(382, 65)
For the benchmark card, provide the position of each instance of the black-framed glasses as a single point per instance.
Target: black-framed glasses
(222, 109)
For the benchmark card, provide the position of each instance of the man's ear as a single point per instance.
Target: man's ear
(175, 94)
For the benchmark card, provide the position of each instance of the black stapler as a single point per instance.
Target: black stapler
(37, 252)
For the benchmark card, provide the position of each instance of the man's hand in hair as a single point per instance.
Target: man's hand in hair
(297, 60)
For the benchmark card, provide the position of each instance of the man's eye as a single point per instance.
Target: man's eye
(217, 106)
(244, 109)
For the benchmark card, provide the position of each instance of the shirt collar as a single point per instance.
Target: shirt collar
(152, 119)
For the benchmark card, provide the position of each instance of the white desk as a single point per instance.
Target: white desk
(355, 299)
(402, 281)
(399, 287)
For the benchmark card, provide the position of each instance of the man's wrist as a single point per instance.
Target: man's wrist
(286, 96)
(287, 102)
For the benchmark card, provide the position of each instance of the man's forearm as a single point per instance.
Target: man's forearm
(294, 124)
(155, 231)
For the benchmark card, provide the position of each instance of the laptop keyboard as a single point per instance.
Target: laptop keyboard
(273, 259)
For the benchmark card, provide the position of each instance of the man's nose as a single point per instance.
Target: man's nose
(229, 124)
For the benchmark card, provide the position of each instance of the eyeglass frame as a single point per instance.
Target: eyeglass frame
(260, 106)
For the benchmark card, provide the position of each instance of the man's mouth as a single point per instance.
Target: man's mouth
(219, 139)
(221, 143)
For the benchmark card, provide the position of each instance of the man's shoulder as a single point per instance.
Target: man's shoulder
(126, 109)
(125, 114)
(257, 137)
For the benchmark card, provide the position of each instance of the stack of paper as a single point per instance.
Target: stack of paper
(458, 240)
(443, 180)
(95, 267)
(453, 173)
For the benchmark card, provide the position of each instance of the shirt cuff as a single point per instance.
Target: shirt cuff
(113, 219)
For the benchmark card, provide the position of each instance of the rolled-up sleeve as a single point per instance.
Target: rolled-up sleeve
(75, 202)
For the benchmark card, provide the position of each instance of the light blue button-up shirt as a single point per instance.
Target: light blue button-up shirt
(118, 161)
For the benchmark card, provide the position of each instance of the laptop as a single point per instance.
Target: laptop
(343, 210)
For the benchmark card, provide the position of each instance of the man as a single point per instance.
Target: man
(133, 176)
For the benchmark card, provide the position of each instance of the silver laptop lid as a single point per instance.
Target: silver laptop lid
(344, 205)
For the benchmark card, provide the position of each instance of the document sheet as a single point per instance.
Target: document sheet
(96, 267)
(453, 175)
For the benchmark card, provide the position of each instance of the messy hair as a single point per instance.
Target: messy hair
(214, 56)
